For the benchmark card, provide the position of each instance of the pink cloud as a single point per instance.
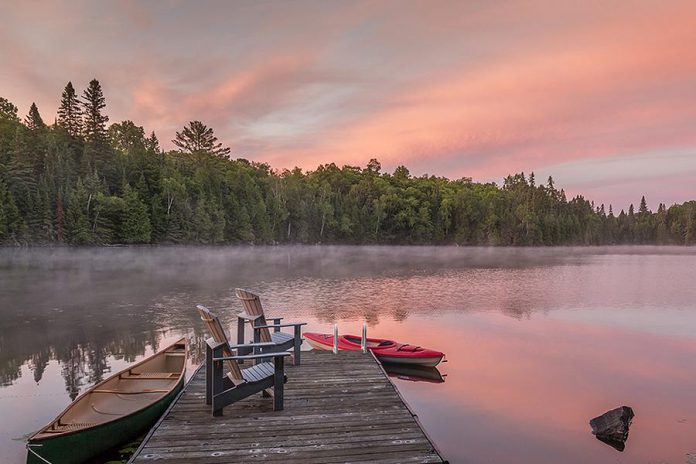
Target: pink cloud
(456, 88)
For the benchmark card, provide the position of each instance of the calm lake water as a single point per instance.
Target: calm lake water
(538, 341)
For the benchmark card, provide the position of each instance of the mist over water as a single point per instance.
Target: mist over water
(539, 340)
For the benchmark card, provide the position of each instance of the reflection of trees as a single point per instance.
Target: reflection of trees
(38, 363)
(196, 346)
(74, 363)
(84, 359)
(96, 360)
(10, 368)
(82, 348)
(80, 307)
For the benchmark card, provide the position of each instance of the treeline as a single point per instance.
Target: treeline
(81, 182)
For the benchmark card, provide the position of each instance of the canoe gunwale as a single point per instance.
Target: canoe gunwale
(33, 440)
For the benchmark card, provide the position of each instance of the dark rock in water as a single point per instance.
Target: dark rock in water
(612, 426)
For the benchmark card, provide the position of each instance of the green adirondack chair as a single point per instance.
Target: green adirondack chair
(223, 389)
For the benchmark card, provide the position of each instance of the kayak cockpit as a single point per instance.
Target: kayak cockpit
(371, 342)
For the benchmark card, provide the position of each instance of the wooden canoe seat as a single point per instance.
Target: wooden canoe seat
(61, 428)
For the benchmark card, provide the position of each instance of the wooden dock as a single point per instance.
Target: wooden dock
(338, 408)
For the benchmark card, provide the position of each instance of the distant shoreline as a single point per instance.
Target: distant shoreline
(59, 246)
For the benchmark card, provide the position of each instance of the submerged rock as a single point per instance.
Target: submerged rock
(612, 426)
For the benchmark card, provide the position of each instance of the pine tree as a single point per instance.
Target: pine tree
(93, 102)
(661, 231)
(33, 120)
(69, 112)
(8, 110)
(11, 223)
(76, 216)
(59, 217)
(136, 226)
(152, 144)
(198, 138)
(34, 143)
(98, 153)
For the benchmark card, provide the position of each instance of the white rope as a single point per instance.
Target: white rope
(29, 446)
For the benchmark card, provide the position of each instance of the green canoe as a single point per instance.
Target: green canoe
(112, 412)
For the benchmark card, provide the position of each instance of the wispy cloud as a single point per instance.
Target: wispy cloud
(477, 89)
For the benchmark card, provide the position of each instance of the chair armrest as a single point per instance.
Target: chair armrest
(251, 345)
(248, 317)
(280, 354)
(287, 324)
(213, 344)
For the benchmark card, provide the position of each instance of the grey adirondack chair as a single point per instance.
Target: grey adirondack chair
(254, 315)
(224, 389)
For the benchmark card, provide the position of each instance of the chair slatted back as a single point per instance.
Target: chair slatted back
(218, 333)
(252, 306)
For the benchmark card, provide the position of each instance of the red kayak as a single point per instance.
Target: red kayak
(386, 350)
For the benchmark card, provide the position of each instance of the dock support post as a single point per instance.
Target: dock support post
(296, 347)
(335, 339)
(363, 342)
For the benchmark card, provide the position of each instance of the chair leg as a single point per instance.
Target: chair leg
(240, 339)
(217, 380)
(278, 383)
(208, 375)
(297, 346)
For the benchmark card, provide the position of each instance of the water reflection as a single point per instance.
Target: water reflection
(414, 373)
(538, 340)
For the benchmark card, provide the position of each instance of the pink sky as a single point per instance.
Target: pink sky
(601, 95)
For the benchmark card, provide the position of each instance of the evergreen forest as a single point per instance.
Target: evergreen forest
(83, 181)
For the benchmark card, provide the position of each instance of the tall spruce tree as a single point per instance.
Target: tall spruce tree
(33, 120)
(198, 138)
(93, 102)
(98, 151)
(69, 112)
(33, 142)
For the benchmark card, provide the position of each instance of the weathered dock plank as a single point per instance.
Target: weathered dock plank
(338, 408)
